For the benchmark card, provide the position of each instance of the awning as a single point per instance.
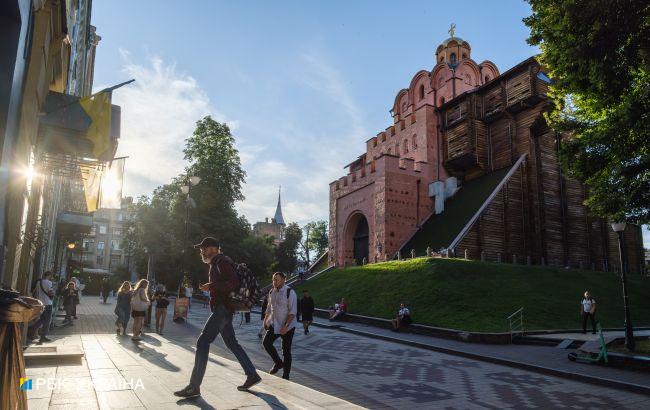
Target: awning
(73, 223)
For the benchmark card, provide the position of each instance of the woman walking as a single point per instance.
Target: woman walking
(70, 301)
(161, 310)
(123, 307)
(139, 304)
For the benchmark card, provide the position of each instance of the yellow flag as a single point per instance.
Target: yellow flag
(98, 108)
(92, 177)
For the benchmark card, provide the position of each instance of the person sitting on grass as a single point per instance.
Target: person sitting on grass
(339, 310)
(403, 318)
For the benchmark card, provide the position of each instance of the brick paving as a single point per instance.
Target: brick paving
(364, 371)
(381, 374)
(118, 373)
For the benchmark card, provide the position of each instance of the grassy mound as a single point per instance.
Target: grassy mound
(478, 296)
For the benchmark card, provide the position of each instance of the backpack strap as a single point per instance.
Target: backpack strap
(288, 292)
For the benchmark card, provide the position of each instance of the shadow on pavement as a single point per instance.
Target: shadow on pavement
(152, 355)
(270, 399)
(198, 402)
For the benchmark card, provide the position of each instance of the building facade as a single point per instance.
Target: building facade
(47, 51)
(273, 228)
(469, 168)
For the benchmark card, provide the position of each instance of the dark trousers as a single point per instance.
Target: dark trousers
(220, 321)
(586, 315)
(43, 322)
(287, 338)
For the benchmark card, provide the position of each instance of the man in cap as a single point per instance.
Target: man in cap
(222, 281)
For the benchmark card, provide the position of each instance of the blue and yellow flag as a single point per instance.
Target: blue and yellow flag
(98, 108)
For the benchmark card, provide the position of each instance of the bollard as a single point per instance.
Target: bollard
(429, 251)
(466, 254)
(412, 253)
(364, 262)
(399, 255)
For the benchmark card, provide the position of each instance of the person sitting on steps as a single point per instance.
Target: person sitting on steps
(339, 310)
(403, 318)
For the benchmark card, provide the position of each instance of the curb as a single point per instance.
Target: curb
(599, 381)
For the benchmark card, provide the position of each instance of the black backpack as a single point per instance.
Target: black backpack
(249, 288)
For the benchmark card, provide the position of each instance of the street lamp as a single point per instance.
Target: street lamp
(619, 228)
(186, 189)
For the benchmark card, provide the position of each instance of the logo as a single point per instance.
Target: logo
(25, 383)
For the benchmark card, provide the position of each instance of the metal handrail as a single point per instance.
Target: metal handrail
(516, 318)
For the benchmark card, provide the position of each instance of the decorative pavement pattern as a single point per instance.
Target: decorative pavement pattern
(372, 373)
(380, 374)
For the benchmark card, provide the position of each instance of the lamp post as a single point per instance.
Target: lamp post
(186, 189)
(619, 228)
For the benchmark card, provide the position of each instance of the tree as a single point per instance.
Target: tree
(314, 241)
(318, 236)
(286, 254)
(598, 55)
(258, 255)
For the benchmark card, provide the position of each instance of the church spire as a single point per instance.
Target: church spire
(278, 211)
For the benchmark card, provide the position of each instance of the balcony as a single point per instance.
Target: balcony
(466, 144)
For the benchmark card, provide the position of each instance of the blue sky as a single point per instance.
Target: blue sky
(303, 84)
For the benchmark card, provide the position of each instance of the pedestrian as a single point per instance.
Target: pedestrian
(43, 291)
(306, 310)
(161, 310)
(104, 289)
(265, 303)
(588, 311)
(222, 281)
(123, 307)
(188, 294)
(280, 322)
(139, 305)
(77, 285)
(403, 318)
(70, 300)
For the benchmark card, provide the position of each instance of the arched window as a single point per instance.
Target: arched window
(442, 58)
(421, 91)
(452, 59)
(487, 78)
(415, 142)
(406, 146)
(464, 56)
(442, 100)
(389, 151)
(396, 149)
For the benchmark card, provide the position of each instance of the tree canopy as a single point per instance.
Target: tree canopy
(598, 54)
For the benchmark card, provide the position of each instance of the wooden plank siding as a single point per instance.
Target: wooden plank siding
(539, 214)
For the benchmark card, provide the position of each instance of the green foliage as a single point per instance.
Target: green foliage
(598, 56)
(478, 296)
(258, 255)
(159, 225)
(318, 239)
(286, 254)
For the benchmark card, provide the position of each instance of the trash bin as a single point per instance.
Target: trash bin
(14, 310)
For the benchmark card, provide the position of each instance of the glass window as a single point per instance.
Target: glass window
(87, 244)
(120, 216)
(115, 245)
(422, 91)
(100, 259)
(452, 59)
(100, 246)
(102, 229)
(117, 231)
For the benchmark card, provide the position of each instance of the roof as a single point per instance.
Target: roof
(439, 231)
(456, 39)
(278, 212)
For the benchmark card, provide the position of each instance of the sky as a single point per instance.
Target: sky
(302, 84)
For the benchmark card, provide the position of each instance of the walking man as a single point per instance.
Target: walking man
(588, 311)
(280, 322)
(222, 281)
(306, 310)
(44, 291)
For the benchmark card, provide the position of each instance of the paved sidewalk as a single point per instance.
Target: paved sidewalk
(381, 374)
(551, 358)
(118, 373)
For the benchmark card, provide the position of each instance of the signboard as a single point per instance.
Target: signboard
(181, 307)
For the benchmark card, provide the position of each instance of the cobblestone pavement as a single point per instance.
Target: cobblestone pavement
(379, 374)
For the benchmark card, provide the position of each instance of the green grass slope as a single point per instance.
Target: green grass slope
(478, 296)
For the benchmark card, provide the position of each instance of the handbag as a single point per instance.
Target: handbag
(137, 303)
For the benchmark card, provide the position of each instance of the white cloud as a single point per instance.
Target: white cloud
(159, 112)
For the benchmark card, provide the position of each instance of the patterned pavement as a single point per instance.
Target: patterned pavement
(380, 374)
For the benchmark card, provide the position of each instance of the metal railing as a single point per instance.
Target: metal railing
(516, 323)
